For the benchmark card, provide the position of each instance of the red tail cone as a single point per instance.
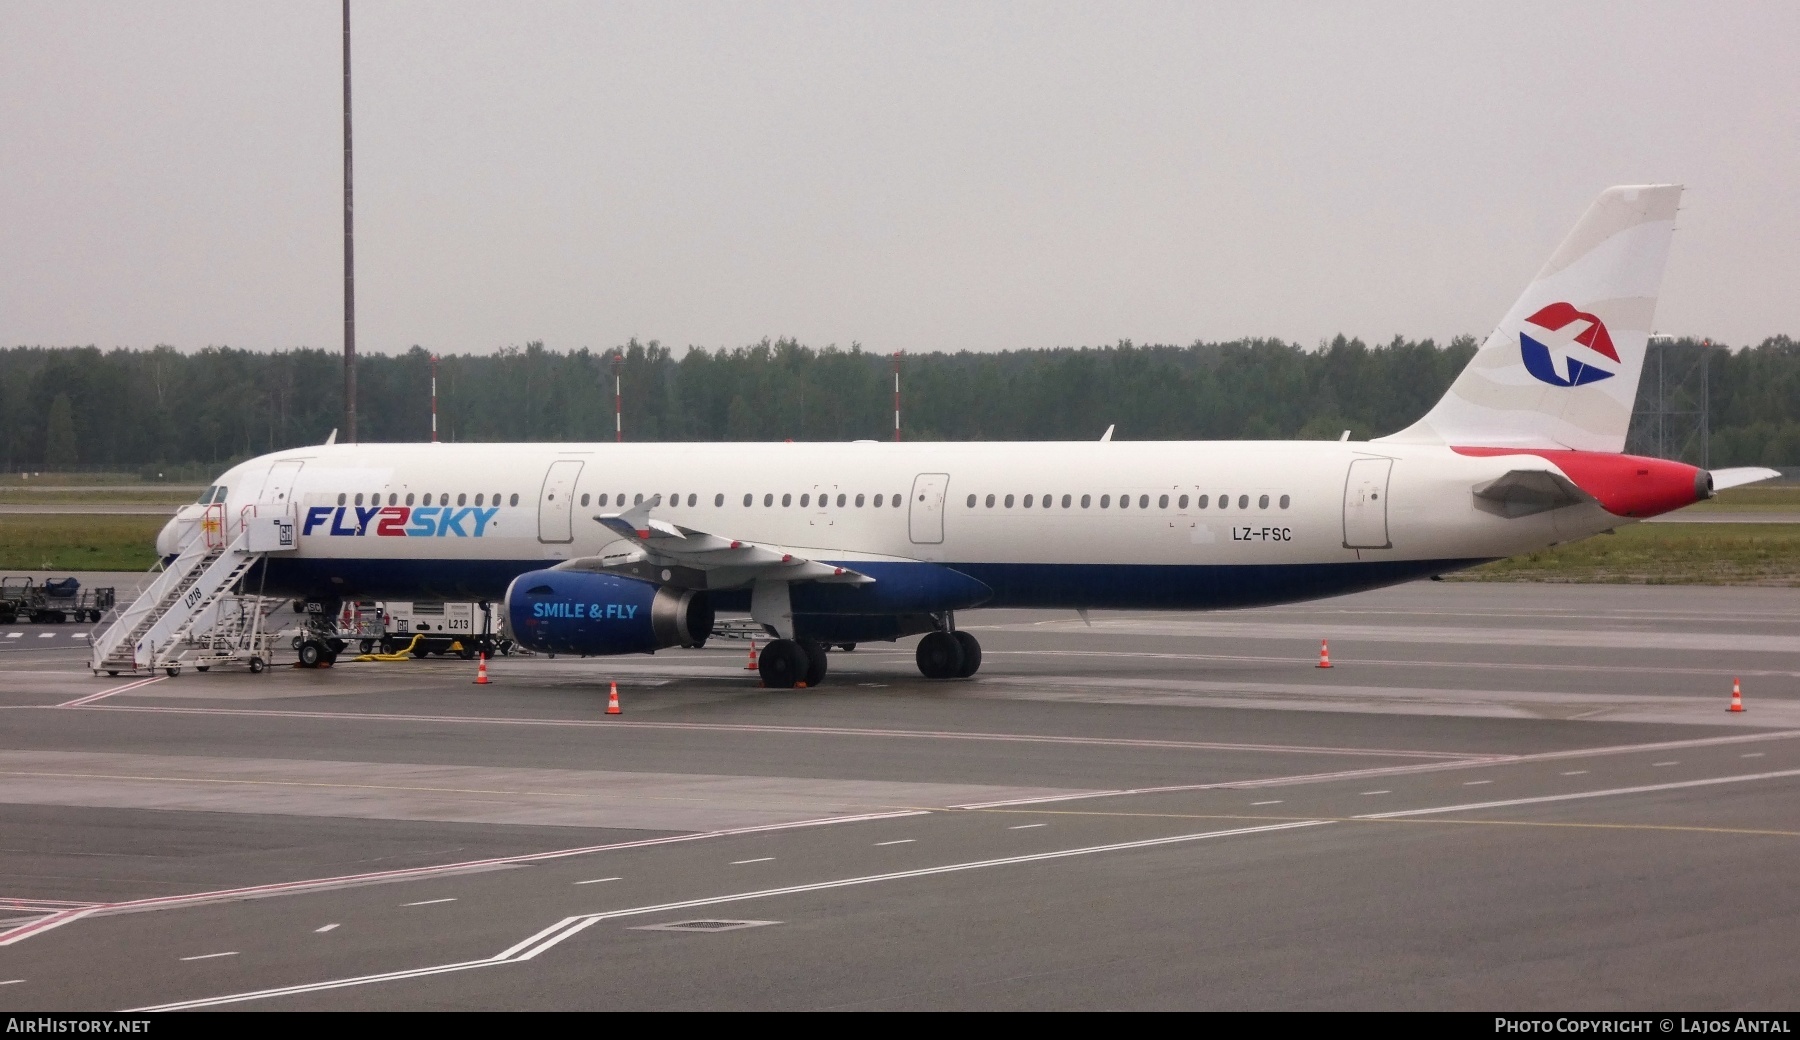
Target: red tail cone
(612, 700)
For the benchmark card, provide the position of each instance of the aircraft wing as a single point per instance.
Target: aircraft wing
(1738, 476)
(659, 551)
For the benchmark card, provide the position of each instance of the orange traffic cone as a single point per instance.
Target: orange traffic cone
(1737, 696)
(612, 700)
(1324, 654)
(752, 666)
(481, 678)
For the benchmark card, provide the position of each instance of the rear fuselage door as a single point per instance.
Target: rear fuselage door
(1366, 504)
(555, 501)
(925, 515)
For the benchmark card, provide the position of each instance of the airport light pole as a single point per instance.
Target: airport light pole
(896, 397)
(434, 398)
(618, 401)
(350, 260)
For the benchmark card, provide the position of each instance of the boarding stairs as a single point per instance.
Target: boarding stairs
(154, 631)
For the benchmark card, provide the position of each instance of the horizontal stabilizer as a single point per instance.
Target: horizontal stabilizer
(1738, 476)
(1524, 492)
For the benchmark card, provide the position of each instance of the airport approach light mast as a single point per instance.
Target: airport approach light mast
(618, 402)
(349, 258)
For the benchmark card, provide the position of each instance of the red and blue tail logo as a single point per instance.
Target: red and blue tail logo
(1542, 365)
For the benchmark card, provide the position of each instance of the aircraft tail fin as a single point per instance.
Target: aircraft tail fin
(1561, 369)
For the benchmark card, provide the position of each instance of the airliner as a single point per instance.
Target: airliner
(606, 548)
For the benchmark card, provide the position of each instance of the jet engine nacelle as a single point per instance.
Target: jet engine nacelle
(578, 612)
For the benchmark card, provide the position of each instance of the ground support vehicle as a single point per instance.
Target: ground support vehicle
(464, 629)
(239, 633)
(53, 602)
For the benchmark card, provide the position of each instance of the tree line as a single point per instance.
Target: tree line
(161, 410)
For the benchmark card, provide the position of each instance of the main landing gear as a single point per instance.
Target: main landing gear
(948, 655)
(786, 663)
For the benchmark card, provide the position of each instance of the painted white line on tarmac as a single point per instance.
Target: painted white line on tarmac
(1659, 765)
(569, 926)
(210, 956)
(759, 859)
(429, 902)
(15, 635)
(1576, 772)
(896, 841)
(598, 880)
(322, 931)
(10, 982)
(1272, 801)
(1577, 795)
(808, 731)
(82, 702)
(46, 635)
(1475, 783)
(1752, 754)
(1024, 826)
(57, 920)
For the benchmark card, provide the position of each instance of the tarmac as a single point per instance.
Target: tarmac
(1500, 797)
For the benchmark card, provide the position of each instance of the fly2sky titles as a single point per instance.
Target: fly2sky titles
(400, 521)
(830, 544)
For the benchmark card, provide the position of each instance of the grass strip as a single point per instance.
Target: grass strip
(78, 542)
(1662, 554)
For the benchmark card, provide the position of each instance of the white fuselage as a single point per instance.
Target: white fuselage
(1287, 520)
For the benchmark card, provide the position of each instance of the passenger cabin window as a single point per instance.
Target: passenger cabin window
(877, 501)
(747, 499)
(1104, 499)
(340, 498)
(841, 500)
(971, 500)
(990, 501)
(1026, 503)
(514, 500)
(787, 500)
(1163, 502)
(409, 498)
(1066, 501)
(1263, 502)
(462, 499)
(478, 499)
(584, 498)
(768, 500)
(1086, 500)
(896, 500)
(692, 498)
(719, 499)
(1181, 503)
(859, 502)
(1243, 501)
(805, 498)
(1009, 501)
(1284, 501)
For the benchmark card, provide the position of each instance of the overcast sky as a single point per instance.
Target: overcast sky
(917, 176)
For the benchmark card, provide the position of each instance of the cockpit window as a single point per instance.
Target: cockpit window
(219, 493)
(206, 496)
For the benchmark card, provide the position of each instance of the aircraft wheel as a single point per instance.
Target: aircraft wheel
(312, 652)
(256, 666)
(782, 664)
(815, 662)
(971, 654)
(939, 656)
